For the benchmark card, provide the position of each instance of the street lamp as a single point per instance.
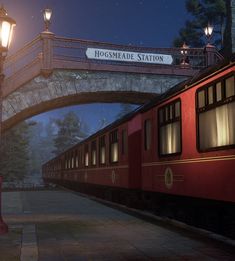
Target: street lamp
(47, 13)
(208, 30)
(184, 52)
(6, 28)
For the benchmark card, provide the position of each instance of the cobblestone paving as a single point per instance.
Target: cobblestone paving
(72, 228)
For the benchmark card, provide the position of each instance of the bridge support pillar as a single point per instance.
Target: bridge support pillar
(3, 225)
(47, 53)
(210, 52)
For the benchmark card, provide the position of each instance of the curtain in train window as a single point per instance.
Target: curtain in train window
(170, 129)
(114, 146)
(93, 153)
(86, 156)
(170, 138)
(217, 127)
(102, 150)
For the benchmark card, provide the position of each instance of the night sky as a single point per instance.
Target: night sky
(153, 23)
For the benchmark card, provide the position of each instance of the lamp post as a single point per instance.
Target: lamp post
(6, 28)
(47, 38)
(184, 52)
(208, 30)
(47, 13)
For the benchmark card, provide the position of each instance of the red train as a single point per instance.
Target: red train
(174, 155)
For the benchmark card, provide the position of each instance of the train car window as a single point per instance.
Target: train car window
(72, 160)
(177, 109)
(114, 146)
(86, 158)
(201, 99)
(170, 130)
(69, 160)
(218, 91)
(166, 113)
(148, 133)
(229, 87)
(124, 142)
(102, 150)
(171, 112)
(210, 95)
(216, 123)
(93, 153)
(76, 159)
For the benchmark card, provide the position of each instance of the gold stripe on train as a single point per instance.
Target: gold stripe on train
(194, 160)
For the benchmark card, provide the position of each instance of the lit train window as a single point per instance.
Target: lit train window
(170, 129)
(229, 87)
(148, 133)
(72, 160)
(124, 142)
(102, 150)
(76, 159)
(114, 146)
(218, 87)
(201, 99)
(93, 153)
(210, 95)
(86, 158)
(216, 122)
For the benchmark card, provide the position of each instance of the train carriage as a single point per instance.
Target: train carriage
(174, 155)
(189, 137)
(105, 164)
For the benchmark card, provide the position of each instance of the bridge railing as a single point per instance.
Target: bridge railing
(48, 48)
(23, 57)
(75, 50)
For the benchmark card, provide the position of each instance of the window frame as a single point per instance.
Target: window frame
(165, 122)
(110, 143)
(86, 152)
(215, 104)
(145, 136)
(93, 149)
(102, 144)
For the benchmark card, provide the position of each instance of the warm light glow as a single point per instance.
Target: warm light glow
(114, 152)
(6, 29)
(208, 30)
(86, 159)
(184, 49)
(102, 155)
(5, 34)
(94, 157)
(47, 15)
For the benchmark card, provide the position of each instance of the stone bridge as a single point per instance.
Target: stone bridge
(52, 72)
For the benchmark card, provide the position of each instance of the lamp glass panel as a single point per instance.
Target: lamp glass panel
(47, 15)
(5, 34)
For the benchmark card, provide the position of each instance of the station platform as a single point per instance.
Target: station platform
(60, 225)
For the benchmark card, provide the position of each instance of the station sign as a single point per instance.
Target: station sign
(124, 56)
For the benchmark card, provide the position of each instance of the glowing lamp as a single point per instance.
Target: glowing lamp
(47, 13)
(6, 29)
(208, 30)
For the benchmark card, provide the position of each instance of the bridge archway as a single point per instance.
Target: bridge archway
(52, 72)
(72, 87)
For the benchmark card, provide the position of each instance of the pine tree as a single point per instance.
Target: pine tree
(69, 132)
(203, 12)
(14, 153)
